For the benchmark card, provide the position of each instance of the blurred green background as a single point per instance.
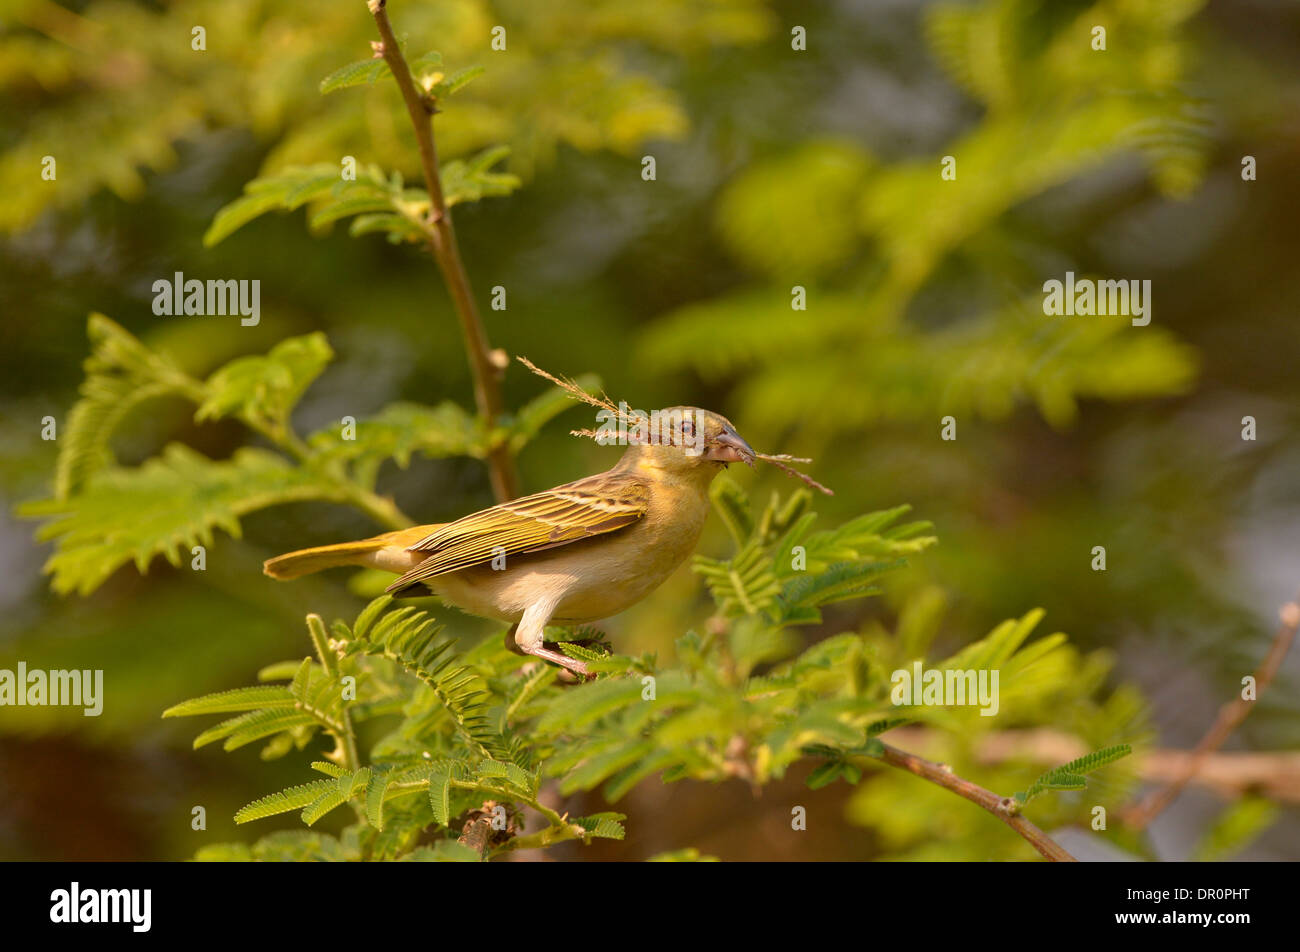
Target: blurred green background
(776, 168)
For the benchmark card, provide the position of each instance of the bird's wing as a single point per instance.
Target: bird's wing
(568, 513)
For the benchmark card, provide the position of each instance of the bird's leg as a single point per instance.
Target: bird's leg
(510, 640)
(528, 638)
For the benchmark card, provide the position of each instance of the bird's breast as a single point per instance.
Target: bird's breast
(591, 579)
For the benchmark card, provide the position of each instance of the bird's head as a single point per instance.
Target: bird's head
(685, 441)
(678, 441)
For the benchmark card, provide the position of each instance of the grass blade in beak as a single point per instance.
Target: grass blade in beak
(779, 460)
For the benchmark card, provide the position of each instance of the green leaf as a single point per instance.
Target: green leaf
(301, 679)
(824, 775)
(402, 430)
(266, 387)
(623, 781)
(341, 790)
(239, 699)
(1095, 760)
(254, 726)
(582, 652)
(368, 616)
(411, 638)
(592, 771)
(838, 583)
(1235, 829)
(874, 747)
(1071, 776)
(375, 798)
(239, 213)
(440, 776)
(121, 374)
(360, 73)
(317, 183)
(292, 187)
(291, 799)
(603, 825)
(998, 646)
(397, 227)
(783, 559)
(1065, 781)
(456, 81)
(470, 181)
(587, 703)
(279, 745)
(426, 63)
(508, 775)
(746, 585)
(732, 506)
(346, 207)
(167, 506)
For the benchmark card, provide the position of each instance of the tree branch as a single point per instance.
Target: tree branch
(1229, 719)
(1004, 808)
(486, 364)
(345, 734)
(1272, 773)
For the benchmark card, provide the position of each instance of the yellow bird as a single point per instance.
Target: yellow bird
(571, 555)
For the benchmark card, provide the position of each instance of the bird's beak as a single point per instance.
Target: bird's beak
(728, 447)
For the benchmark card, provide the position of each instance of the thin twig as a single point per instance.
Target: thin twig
(346, 734)
(487, 365)
(1228, 720)
(602, 402)
(1004, 808)
(791, 471)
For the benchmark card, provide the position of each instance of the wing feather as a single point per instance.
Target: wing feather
(569, 513)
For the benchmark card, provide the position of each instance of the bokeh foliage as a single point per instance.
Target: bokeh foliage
(818, 169)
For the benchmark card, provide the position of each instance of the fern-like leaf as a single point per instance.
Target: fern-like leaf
(239, 699)
(1071, 776)
(361, 73)
(410, 638)
(291, 799)
(165, 507)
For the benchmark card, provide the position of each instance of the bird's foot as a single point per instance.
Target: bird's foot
(594, 645)
(547, 652)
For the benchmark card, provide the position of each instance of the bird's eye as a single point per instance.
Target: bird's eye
(688, 429)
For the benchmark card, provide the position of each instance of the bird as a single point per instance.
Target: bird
(569, 556)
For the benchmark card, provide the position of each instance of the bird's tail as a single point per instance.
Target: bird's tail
(376, 552)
